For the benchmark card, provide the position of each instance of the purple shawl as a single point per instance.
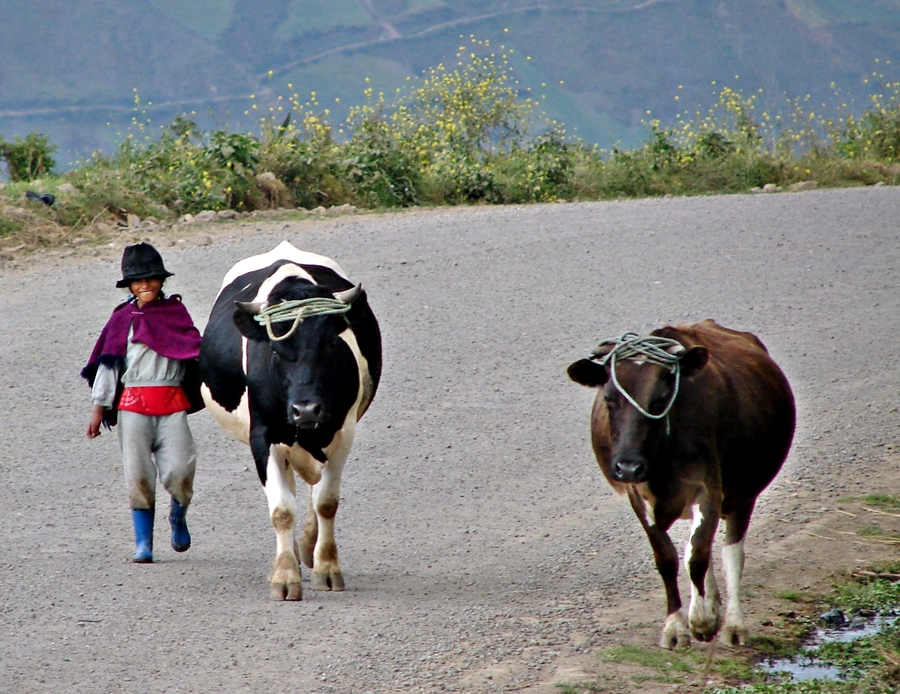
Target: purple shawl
(164, 325)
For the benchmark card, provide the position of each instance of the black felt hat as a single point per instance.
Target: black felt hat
(140, 262)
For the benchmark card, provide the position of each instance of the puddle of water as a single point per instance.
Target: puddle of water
(808, 668)
(802, 669)
(855, 629)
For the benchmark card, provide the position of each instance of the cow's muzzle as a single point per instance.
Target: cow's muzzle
(306, 414)
(631, 469)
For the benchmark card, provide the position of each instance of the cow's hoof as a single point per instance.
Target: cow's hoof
(733, 635)
(671, 641)
(704, 620)
(290, 591)
(675, 633)
(705, 630)
(333, 581)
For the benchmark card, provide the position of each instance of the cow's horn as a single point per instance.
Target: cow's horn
(602, 350)
(348, 295)
(251, 307)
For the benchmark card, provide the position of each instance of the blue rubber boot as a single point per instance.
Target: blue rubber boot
(143, 535)
(181, 538)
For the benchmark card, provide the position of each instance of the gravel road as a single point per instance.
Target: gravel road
(480, 545)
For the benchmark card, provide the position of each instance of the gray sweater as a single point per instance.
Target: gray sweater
(143, 367)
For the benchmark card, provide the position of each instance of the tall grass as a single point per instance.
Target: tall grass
(459, 134)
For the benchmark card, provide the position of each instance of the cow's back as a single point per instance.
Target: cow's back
(752, 403)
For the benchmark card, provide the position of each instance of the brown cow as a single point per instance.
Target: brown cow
(695, 422)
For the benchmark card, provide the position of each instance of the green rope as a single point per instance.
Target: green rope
(650, 349)
(298, 310)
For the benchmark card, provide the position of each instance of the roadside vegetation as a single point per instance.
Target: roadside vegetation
(867, 665)
(460, 134)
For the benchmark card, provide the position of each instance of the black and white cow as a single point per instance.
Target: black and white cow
(290, 361)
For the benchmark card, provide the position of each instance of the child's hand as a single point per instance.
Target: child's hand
(93, 427)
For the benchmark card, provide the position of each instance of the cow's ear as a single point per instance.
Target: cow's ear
(587, 373)
(693, 361)
(244, 313)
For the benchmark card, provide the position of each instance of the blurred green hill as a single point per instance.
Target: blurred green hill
(68, 69)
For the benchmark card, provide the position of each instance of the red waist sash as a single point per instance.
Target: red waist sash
(154, 401)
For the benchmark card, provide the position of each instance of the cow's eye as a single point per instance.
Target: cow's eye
(611, 403)
(277, 358)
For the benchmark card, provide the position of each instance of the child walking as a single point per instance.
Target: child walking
(144, 361)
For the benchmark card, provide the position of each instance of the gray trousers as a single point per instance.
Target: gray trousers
(154, 446)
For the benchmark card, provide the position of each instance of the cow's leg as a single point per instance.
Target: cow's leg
(734, 633)
(325, 498)
(310, 471)
(310, 532)
(280, 493)
(675, 632)
(703, 616)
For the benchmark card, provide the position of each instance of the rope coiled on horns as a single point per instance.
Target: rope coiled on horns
(298, 310)
(650, 349)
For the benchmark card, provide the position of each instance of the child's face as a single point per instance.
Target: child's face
(146, 289)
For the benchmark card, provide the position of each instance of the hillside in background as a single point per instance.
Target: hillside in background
(71, 68)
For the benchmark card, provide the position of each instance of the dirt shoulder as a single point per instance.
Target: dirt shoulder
(796, 556)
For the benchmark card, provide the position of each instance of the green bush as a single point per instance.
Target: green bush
(189, 170)
(307, 161)
(105, 186)
(28, 159)
(380, 169)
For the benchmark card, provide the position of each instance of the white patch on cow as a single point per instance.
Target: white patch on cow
(651, 516)
(649, 501)
(281, 273)
(281, 494)
(734, 632)
(367, 387)
(280, 485)
(309, 469)
(237, 422)
(696, 519)
(703, 614)
(284, 251)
